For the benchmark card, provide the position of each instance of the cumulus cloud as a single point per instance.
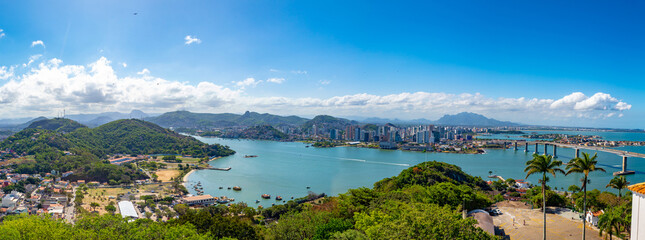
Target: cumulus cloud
(96, 88)
(145, 71)
(52, 85)
(276, 80)
(5, 72)
(1, 33)
(37, 42)
(249, 82)
(192, 39)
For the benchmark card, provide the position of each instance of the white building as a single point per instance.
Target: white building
(592, 217)
(199, 200)
(638, 211)
(10, 200)
(127, 210)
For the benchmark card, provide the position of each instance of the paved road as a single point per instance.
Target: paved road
(528, 225)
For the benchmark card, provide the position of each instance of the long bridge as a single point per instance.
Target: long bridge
(577, 148)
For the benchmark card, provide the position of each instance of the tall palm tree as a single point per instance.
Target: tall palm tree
(584, 165)
(618, 182)
(543, 164)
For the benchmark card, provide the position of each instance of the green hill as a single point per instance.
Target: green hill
(328, 122)
(62, 125)
(127, 136)
(185, 119)
(265, 132)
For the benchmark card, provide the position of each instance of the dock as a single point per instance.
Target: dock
(214, 168)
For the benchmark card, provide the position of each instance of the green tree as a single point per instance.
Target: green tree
(94, 205)
(574, 188)
(110, 208)
(584, 165)
(618, 182)
(610, 222)
(543, 164)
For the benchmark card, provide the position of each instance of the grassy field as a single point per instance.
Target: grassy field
(165, 175)
(20, 160)
(102, 197)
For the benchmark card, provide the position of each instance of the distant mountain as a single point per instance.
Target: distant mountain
(264, 132)
(376, 120)
(25, 125)
(471, 119)
(328, 122)
(96, 119)
(185, 119)
(62, 125)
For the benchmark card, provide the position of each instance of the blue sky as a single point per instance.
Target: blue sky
(559, 63)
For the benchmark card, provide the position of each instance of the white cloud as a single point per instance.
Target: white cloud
(276, 80)
(145, 71)
(299, 72)
(52, 85)
(324, 82)
(1, 33)
(192, 39)
(37, 42)
(124, 65)
(96, 88)
(274, 70)
(249, 82)
(5, 72)
(32, 59)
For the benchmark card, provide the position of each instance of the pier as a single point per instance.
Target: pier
(577, 148)
(214, 168)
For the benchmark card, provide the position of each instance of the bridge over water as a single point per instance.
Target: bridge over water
(624, 154)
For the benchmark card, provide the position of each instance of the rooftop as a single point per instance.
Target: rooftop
(127, 209)
(637, 188)
(197, 198)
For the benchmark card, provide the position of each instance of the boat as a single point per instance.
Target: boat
(250, 156)
(229, 188)
(266, 196)
(257, 201)
(221, 187)
(222, 201)
(308, 187)
(231, 199)
(307, 146)
(237, 188)
(278, 198)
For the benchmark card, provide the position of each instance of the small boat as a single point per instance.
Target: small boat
(291, 197)
(221, 187)
(250, 156)
(278, 198)
(308, 187)
(237, 188)
(257, 201)
(229, 188)
(231, 199)
(266, 196)
(307, 146)
(222, 201)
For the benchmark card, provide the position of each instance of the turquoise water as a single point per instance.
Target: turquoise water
(287, 168)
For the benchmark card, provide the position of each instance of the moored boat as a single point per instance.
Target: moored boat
(266, 196)
(278, 198)
(237, 188)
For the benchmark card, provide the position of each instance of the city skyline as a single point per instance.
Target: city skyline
(347, 60)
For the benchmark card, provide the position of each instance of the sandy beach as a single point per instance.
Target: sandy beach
(186, 178)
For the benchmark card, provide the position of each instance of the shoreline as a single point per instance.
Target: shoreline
(185, 179)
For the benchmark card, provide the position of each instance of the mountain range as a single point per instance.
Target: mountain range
(191, 120)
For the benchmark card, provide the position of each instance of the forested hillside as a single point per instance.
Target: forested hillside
(423, 202)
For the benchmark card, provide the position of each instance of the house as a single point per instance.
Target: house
(638, 211)
(65, 174)
(520, 183)
(199, 200)
(592, 217)
(11, 199)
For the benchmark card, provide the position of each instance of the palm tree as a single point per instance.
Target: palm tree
(584, 165)
(543, 164)
(619, 183)
(610, 223)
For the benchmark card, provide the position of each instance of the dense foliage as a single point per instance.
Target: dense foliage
(57, 124)
(413, 209)
(118, 137)
(185, 119)
(265, 132)
(327, 122)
